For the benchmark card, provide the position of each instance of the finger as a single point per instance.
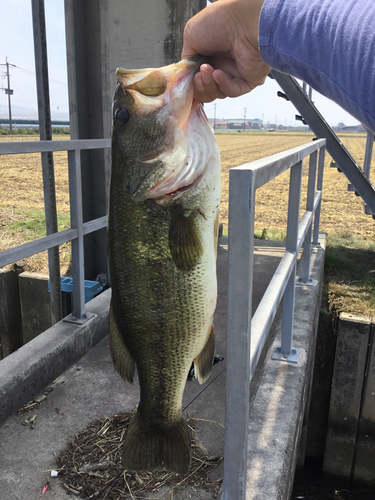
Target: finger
(206, 92)
(230, 86)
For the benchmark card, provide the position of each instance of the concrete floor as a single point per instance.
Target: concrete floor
(91, 389)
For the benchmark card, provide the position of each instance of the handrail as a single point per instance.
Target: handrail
(78, 228)
(246, 336)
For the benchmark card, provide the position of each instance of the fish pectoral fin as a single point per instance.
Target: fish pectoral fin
(153, 84)
(204, 361)
(122, 360)
(146, 449)
(185, 241)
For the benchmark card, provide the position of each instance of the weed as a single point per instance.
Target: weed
(33, 224)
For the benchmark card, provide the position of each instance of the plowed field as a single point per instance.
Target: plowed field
(21, 193)
(342, 211)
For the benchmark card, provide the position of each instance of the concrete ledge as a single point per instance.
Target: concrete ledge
(278, 407)
(26, 372)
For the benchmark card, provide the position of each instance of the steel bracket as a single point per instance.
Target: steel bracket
(290, 358)
(309, 282)
(78, 321)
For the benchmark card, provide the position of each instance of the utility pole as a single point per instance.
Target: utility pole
(8, 90)
(214, 117)
(244, 117)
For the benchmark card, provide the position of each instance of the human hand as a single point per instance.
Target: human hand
(226, 30)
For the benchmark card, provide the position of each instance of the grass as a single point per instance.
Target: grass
(350, 274)
(21, 226)
(349, 271)
(269, 234)
(31, 224)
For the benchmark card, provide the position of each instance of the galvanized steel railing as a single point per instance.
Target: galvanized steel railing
(78, 228)
(246, 335)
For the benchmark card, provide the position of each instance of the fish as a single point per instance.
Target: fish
(163, 217)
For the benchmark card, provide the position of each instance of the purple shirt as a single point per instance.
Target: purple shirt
(330, 44)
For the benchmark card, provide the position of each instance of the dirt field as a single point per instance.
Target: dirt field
(342, 211)
(21, 194)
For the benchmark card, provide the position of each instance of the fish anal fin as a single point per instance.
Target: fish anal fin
(122, 360)
(203, 362)
(185, 241)
(216, 233)
(146, 449)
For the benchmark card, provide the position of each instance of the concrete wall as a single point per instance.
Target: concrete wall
(35, 305)
(102, 35)
(350, 443)
(10, 313)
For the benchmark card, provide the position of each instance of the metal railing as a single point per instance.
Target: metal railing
(246, 335)
(78, 228)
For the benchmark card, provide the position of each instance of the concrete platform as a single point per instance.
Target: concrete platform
(90, 389)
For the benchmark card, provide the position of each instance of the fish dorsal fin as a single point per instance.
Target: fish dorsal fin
(185, 241)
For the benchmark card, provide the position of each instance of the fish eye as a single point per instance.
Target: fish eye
(122, 116)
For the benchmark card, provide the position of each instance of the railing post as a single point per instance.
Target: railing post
(319, 187)
(305, 278)
(286, 351)
(240, 284)
(79, 314)
(368, 153)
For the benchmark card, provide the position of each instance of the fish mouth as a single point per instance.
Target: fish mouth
(188, 143)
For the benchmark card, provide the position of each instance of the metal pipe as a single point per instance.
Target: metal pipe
(240, 284)
(321, 128)
(309, 206)
(45, 130)
(75, 191)
(319, 187)
(291, 246)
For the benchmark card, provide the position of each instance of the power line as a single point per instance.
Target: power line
(34, 74)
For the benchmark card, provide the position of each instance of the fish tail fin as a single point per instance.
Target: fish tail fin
(124, 363)
(145, 448)
(203, 362)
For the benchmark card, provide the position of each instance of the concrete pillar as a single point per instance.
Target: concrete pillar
(348, 376)
(364, 467)
(10, 313)
(102, 35)
(35, 304)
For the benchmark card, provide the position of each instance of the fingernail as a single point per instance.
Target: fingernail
(206, 77)
(198, 83)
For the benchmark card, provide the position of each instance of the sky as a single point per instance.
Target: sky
(16, 44)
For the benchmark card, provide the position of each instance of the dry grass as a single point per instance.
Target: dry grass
(21, 200)
(21, 196)
(90, 466)
(342, 211)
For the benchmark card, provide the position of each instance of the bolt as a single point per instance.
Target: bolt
(285, 356)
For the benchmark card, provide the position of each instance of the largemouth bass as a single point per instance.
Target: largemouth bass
(163, 225)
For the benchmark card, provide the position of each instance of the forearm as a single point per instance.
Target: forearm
(330, 44)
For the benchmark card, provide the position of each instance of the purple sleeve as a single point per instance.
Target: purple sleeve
(330, 44)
